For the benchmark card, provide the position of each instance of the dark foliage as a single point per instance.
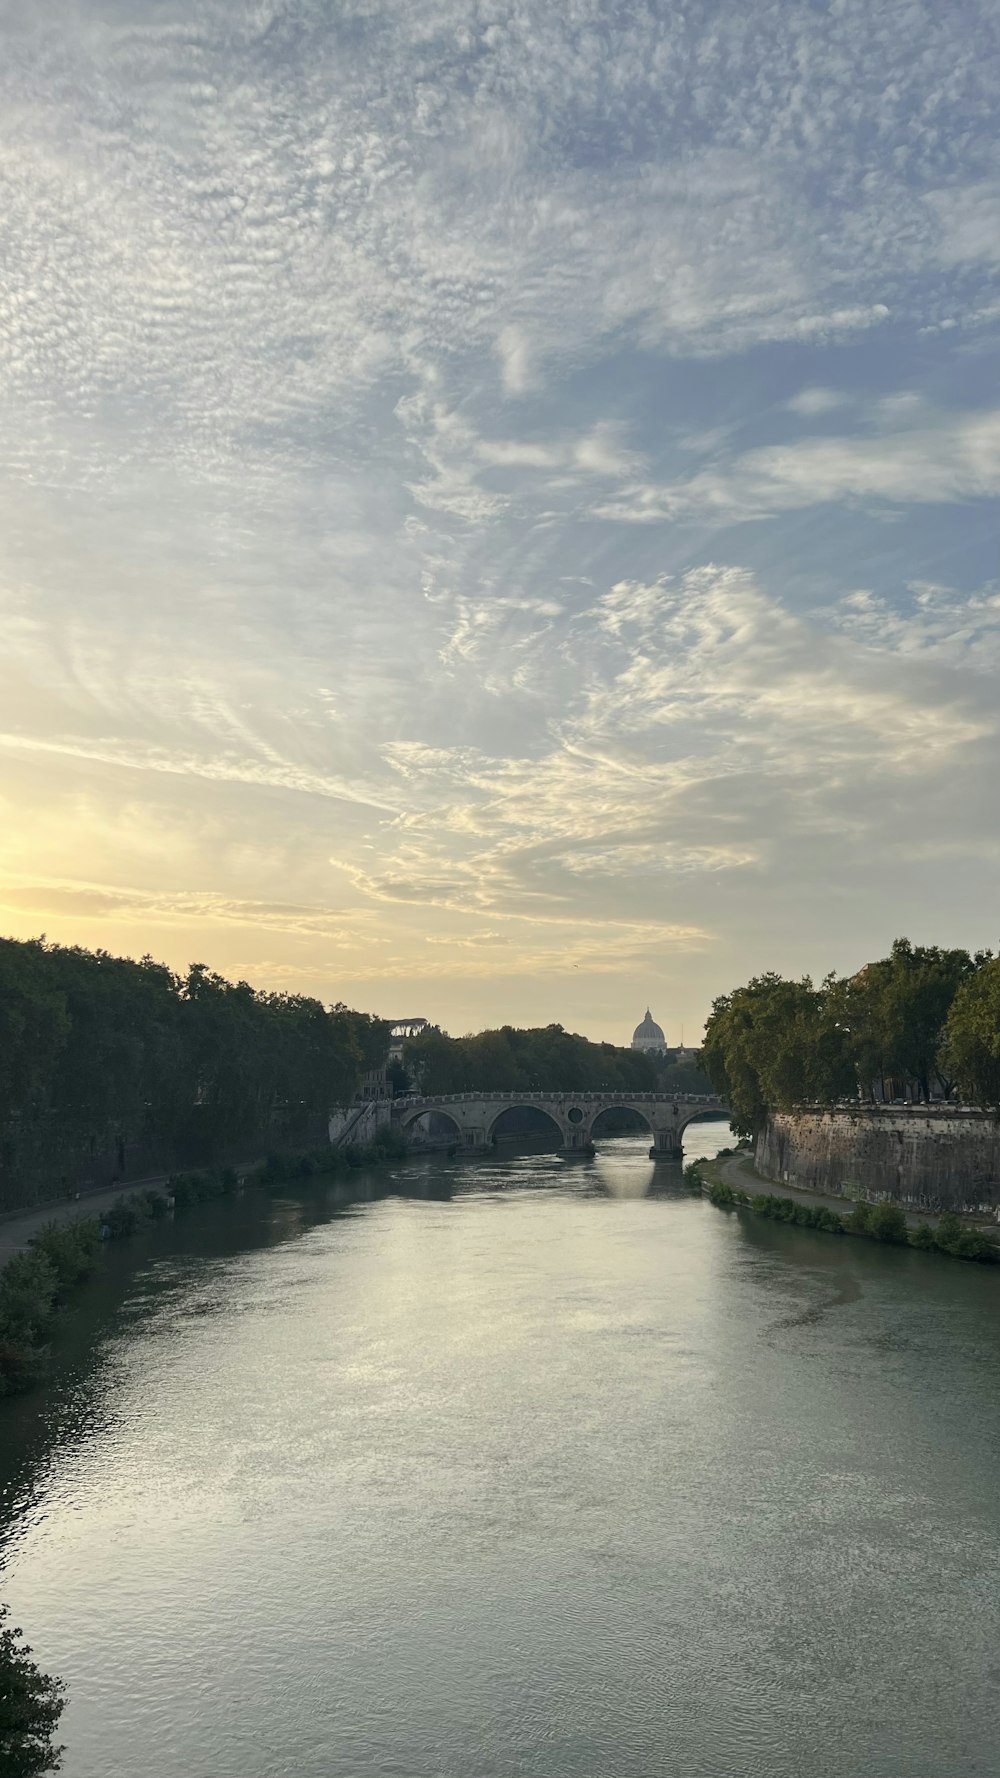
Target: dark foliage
(113, 1052)
(971, 1050)
(30, 1707)
(915, 1024)
(548, 1059)
(874, 1222)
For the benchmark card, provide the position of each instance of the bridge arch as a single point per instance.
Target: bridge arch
(609, 1111)
(550, 1122)
(420, 1123)
(704, 1114)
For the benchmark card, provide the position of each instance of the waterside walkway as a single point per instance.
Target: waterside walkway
(738, 1170)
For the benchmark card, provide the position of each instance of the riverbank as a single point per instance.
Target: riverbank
(18, 1227)
(739, 1171)
(732, 1183)
(51, 1255)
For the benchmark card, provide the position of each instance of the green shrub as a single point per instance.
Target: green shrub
(69, 1247)
(28, 1286)
(21, 1366)
(30, 1707)
(878, 1222)
(390, 1143)
(194, 1188)
(887, 1222)
(122, 1219)
(180, 1188)
(948, 1233)
(976, 1244)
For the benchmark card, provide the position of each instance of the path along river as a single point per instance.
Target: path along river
(516, 1469)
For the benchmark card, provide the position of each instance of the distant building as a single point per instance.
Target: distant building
(399, 1031)
(649, 1037)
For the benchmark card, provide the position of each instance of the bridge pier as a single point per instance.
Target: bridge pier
(666, 1146)
(474, 1141)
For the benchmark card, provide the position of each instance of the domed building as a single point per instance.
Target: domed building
(649, 1037)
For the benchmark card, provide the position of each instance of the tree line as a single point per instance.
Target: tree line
(545, 1059)
(920, 1024)
(108, 1044)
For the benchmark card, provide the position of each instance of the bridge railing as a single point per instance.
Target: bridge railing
(529, 1095)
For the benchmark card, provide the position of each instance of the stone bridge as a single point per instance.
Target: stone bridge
(475, 1115)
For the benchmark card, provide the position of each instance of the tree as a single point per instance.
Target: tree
(33, 1026)
(774, 1042)
(30, 1707)
(896, 1010)
(96, 1049)
(972, 1036)
(546, 1059)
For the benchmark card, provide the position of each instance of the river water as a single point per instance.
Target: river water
(523, 1468)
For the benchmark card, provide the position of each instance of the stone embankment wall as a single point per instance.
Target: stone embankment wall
(46, 1158)
(361, 1124)
(926, 1158)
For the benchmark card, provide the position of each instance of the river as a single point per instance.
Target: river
(520, 1468)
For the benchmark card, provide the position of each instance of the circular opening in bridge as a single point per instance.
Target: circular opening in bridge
(575, 1115)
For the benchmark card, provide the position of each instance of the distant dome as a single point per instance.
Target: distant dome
(648, 1035)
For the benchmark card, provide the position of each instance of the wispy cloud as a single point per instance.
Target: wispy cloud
(948, 459)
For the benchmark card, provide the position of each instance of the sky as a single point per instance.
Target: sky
(500, 499)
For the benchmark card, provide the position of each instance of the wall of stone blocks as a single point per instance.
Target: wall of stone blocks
(925, 1158)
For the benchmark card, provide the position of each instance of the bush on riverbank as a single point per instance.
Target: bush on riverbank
(201, 1187)
(881, 1222)
(69, 1247)
(30, 1707)
(873, 1222)
(388, 1145)
(31, 1286)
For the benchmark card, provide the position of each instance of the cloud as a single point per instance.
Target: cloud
(809, 402)
(935, 623)
(686, 689)
(514, 352)
(955, 458)
(968, 218)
